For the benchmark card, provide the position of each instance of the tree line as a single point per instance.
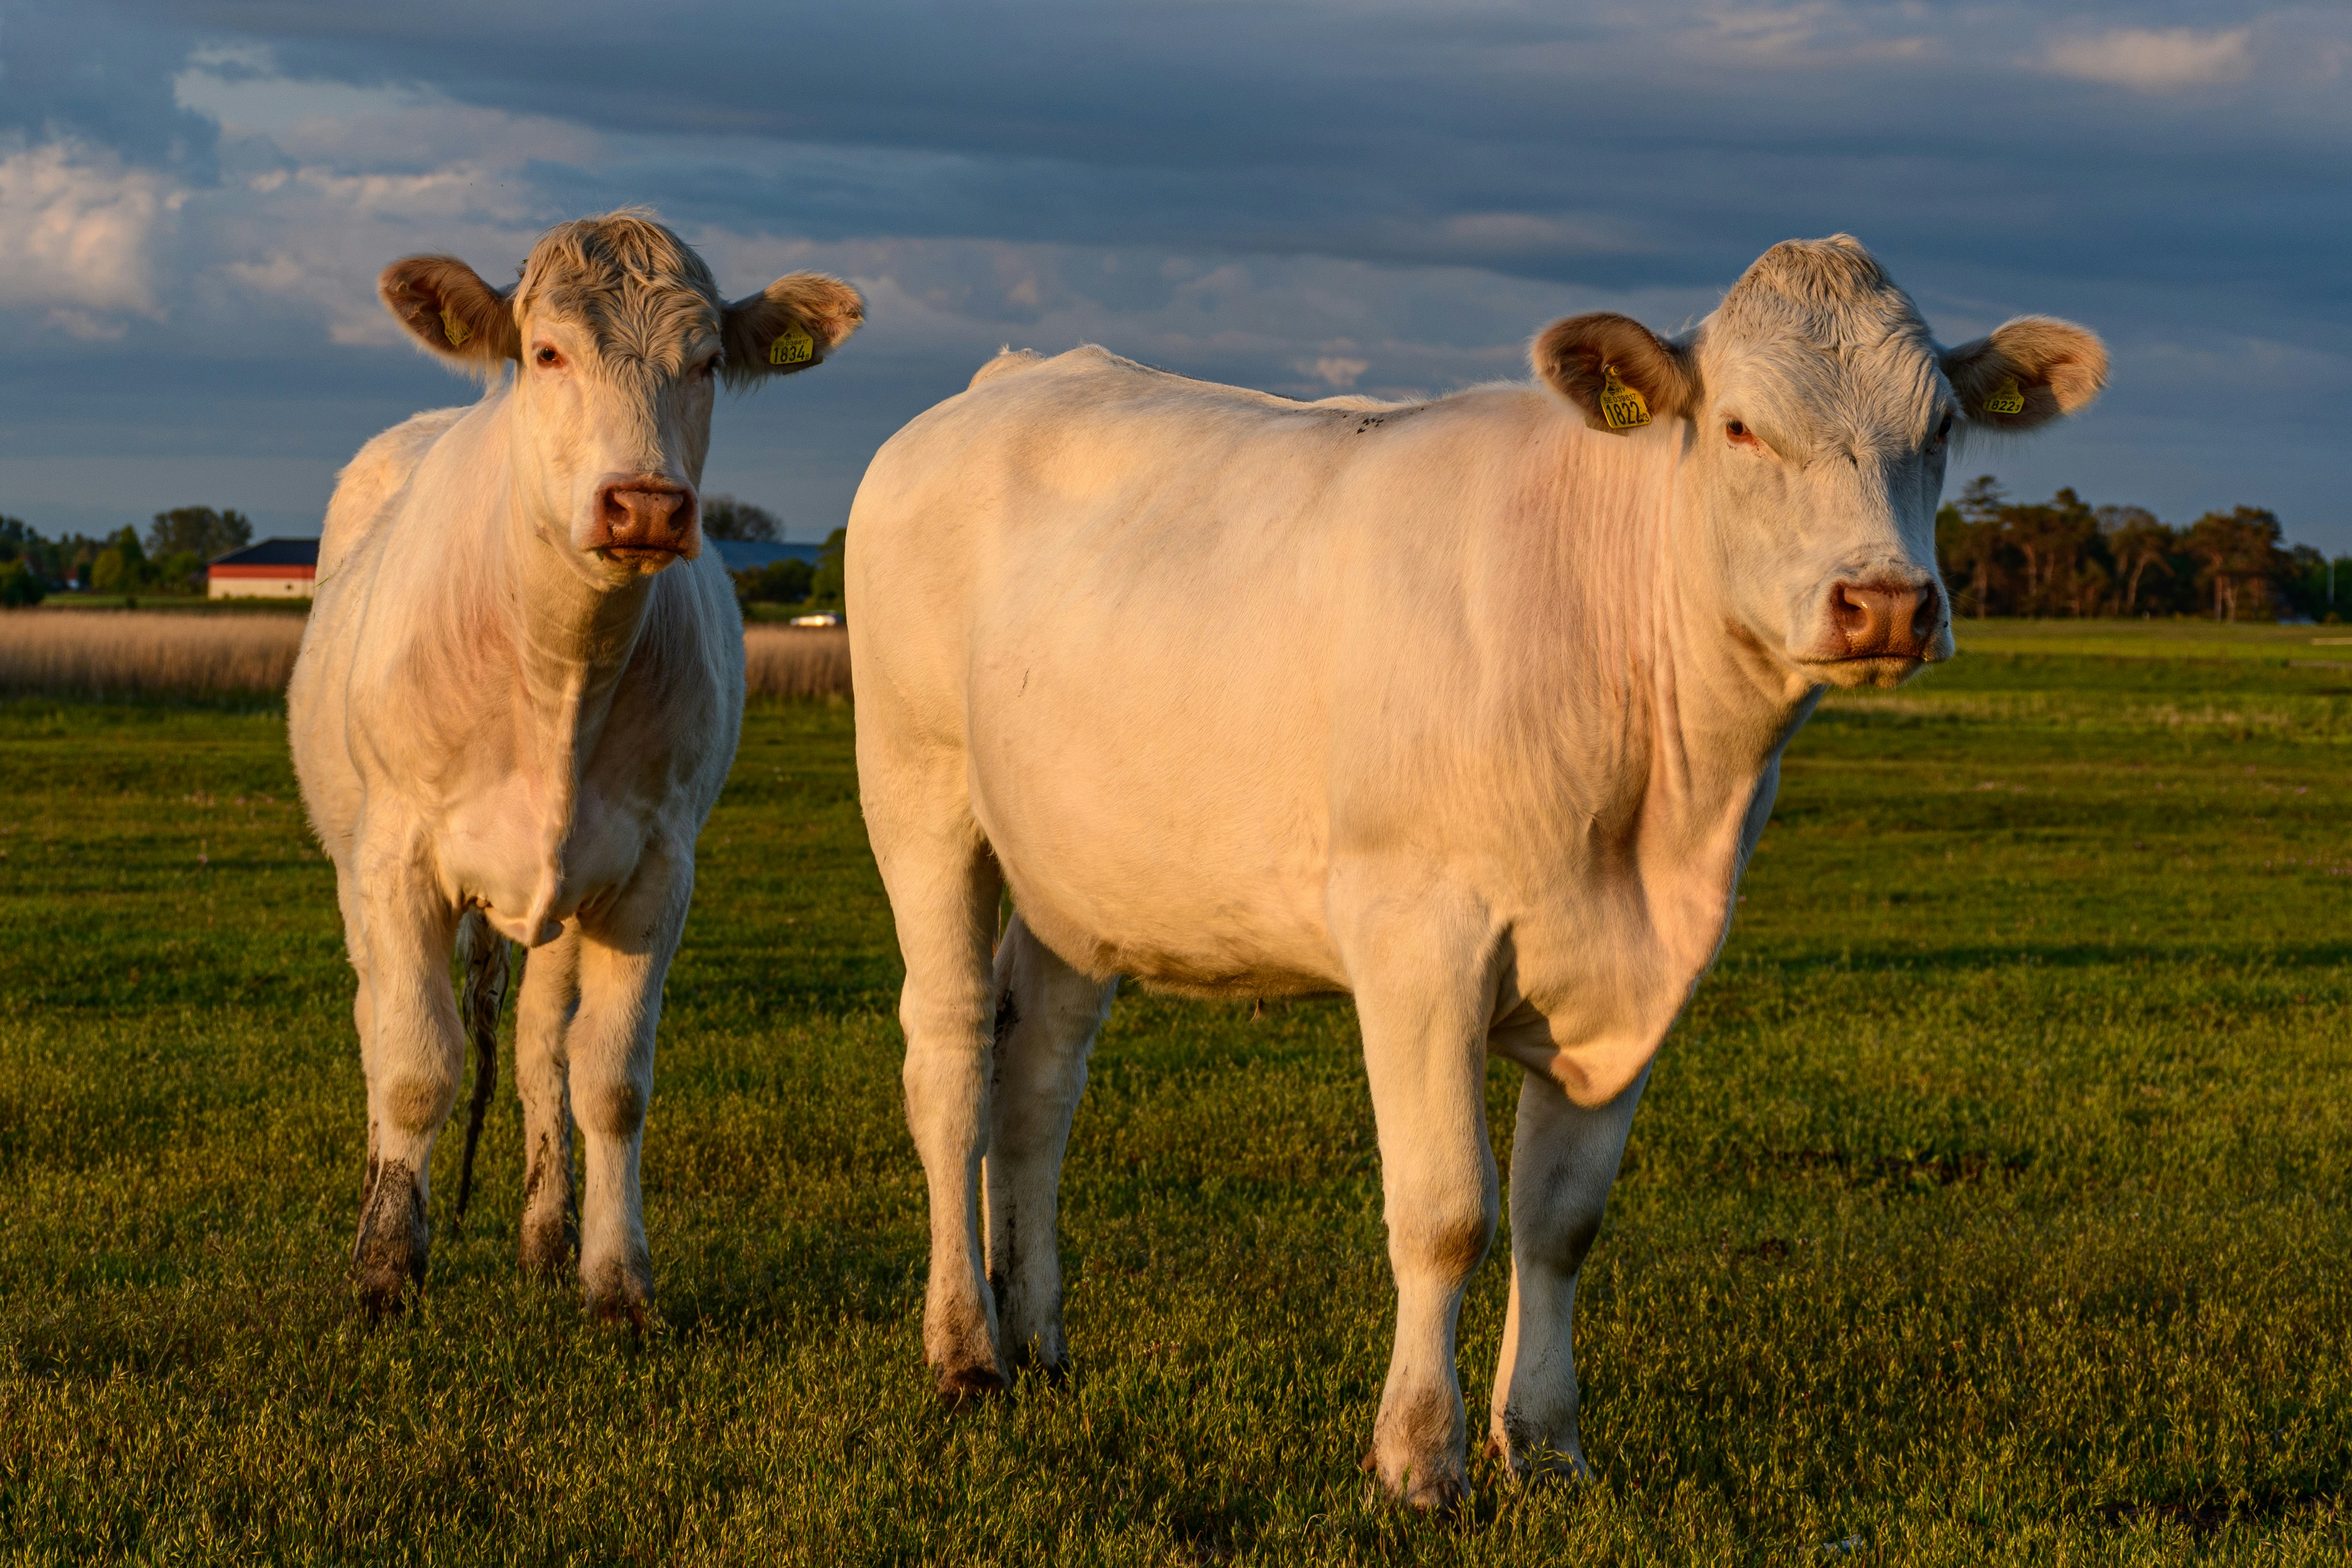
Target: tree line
(2064, 556)
(817, 586)
(170, 559)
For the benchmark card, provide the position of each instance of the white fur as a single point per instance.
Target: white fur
(494, 718)
(1459, 707)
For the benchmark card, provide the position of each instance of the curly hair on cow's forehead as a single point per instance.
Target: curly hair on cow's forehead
(1831, 289)
(607, 255)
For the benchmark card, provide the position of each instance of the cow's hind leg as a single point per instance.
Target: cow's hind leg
(944, 885)
(1563, 1160)
(1425, 995)
(1046, 1015)
(551, 995)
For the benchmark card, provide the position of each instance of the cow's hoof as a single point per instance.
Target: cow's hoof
(1537, 1461)
(961, 1385)
(548, 1249)
(381, 1296)
(1435, 1489)
(388, 1260)
(622, 1301)
(1052, 1366)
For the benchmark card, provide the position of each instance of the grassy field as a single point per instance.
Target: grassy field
(1987, 1208)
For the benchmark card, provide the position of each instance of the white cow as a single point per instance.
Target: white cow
(1471, 709)
(518, 697)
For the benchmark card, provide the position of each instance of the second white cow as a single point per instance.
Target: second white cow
(1481, 732)
(518, 697)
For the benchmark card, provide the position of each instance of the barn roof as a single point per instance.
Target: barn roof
(273, 552)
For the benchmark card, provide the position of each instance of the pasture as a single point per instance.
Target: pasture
(1986, 1207)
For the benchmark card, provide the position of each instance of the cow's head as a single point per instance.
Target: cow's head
(619, 338)
(1819, 417)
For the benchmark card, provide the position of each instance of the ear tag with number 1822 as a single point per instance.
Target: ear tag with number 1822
(454, 329)
(1621, 405)
(2008, 400)
(792, 347)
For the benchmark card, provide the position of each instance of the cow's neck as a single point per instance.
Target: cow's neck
(1713, 714)
(1719, 707)
(572, 640)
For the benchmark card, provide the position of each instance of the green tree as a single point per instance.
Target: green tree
(725, 517)
(2238, 559)
(2139, 544)
(199, 532)
(826, 587)
(19, 585)
(1969, 546)
(778, 582)
(109, 573)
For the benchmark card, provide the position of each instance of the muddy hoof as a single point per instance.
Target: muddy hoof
(1442, 1492)
(549, 1252)
(381, 1295)
(958, 1384)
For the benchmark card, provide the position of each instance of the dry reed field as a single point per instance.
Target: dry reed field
(116, 654)
(102, 654)
(796, 661)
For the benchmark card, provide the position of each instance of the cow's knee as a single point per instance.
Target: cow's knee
(417, 1099)
(613, 1110)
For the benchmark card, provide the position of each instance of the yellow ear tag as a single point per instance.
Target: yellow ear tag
(793, 346)
(1621, 405)
(456, 331)
(2008, 400)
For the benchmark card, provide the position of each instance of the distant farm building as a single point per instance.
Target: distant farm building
(274, 568)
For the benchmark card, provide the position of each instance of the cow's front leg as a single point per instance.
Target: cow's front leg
(413, 1055)
(1046, 1015)
(623, 957)
(550, 999)
(1423, 993)
(1563, 1160)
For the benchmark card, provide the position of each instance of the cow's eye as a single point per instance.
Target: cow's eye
(547, 357)
(1736, 433)
(1944, 430)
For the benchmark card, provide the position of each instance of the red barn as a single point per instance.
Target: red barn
(274, 568)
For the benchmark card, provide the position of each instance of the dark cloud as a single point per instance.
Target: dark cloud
(1407, 186)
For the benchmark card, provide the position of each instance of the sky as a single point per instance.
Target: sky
(1385, 196)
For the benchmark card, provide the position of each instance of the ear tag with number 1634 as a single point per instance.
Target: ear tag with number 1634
(792, 347)
(1621, 405)
(454, 329)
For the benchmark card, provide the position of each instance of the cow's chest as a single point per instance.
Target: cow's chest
(534, 853)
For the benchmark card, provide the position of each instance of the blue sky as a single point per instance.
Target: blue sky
(1305, 195)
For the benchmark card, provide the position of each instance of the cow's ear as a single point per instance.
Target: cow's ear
(2029, 372)
(450, 310)
(1595, 361)
(791, 325)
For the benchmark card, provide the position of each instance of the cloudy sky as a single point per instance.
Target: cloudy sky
(1306, 195)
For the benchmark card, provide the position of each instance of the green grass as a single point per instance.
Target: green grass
(1988, 1206)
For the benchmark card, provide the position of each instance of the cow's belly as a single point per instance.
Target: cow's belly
(1170, 860)
(530, 873)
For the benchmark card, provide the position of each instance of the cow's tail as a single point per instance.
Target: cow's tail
(480, 999)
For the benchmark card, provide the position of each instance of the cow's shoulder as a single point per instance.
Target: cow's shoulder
(372, 477)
